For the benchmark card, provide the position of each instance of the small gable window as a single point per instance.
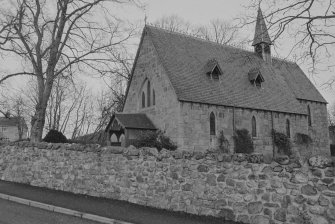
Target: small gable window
(212, 123)
(253, 127)
(309, 116)
(143, 99)
(216, 73)
(212, 69)
(288, 131)
(255, 77)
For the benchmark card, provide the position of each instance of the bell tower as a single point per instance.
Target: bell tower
(262, 43)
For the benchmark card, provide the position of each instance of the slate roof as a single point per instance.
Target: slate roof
(261, 32)
(184, 57)
(12, 121)
(133, 121)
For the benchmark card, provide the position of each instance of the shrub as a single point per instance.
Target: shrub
(55, 136)
(282, 142)
(223, 143)
(155, 140)
(243, 142)
(303, 139)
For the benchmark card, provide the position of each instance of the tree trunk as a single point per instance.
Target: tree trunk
(38, 120)
(37, 124)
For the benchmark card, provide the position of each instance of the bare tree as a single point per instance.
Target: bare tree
(331, 114)
(60, 37)
(218, 30)
(173, 23)
(15, 107)
(19, 112)
(309, 23)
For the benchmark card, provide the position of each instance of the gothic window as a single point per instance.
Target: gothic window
(153, 97)
(309, 116)
(212, 123)
(143, 100)
(148, 93)
(288, 131)
(253, 127)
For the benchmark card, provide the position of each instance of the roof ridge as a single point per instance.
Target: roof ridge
(284, 59)
(194, 36)
(185, 34)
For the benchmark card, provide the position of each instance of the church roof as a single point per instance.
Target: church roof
(133, 121)
(184, 57)
(261, 32)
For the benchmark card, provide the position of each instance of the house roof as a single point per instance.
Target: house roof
(261, 32)
(184, 58)
(12, 121)
(132, 121)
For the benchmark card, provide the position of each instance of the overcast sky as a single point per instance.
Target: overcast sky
(201, 12)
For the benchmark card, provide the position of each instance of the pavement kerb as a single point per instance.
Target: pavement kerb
(61, 210)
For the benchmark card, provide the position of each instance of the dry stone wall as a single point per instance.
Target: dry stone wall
(237, 187)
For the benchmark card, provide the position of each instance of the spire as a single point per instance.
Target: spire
(261, 32)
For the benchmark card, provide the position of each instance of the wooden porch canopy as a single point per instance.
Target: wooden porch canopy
(123, 128)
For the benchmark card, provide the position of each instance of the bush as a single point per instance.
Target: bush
(223, 143)
(282, 142)
(55, 136)
(243, 142)
(155, 140)
(303, 139)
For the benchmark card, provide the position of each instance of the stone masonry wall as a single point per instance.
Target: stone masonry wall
(236, 187)
(319, 128)
(195, 126)
(165, 113)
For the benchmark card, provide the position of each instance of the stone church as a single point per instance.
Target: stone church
(192, 89)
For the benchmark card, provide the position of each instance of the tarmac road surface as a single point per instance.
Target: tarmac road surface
(14, 213)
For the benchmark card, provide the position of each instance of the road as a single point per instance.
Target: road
(14, 213)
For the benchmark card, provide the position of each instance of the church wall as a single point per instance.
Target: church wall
(165, 113)
(195, 126)
(318, 131)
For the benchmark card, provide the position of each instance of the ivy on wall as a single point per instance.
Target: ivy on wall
(243, 141)
(223, 143)
(282, 142)
(303, 139)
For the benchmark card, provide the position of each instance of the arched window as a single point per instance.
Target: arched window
(309, 116)
(148, 93)
(212, 124)
(153, 97)
(288, 131)
(143, 100)
(253, 127)
(113, 138)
